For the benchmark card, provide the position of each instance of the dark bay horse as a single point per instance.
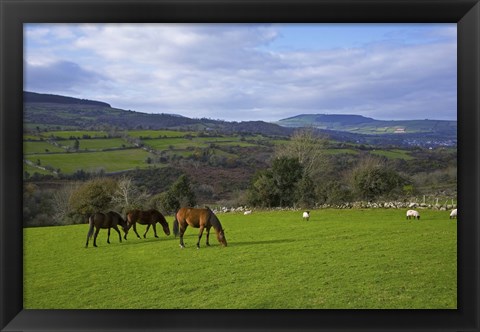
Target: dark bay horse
(105, 220)
(198, 218)
(149, 218)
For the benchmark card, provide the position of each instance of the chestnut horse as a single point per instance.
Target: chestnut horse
(105, 220)
(198, 218)
(149, 218)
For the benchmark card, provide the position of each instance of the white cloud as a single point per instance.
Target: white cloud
(228, 71)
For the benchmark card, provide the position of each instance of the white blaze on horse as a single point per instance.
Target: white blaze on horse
(413, 214)
(453, 214)
(306, 215)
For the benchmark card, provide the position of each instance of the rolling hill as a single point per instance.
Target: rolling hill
(363, 125)
(67, 113)
(72, 113)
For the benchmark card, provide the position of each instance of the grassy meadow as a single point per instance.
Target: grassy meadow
(372, 258)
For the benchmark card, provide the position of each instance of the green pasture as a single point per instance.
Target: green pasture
(339, 259)
(32, 170)
(74, 133)
(40, 147)
(176, 143)
(159, 133)
(99, 143)
(110, 161)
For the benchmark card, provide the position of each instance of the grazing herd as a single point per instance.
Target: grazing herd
(204, 219)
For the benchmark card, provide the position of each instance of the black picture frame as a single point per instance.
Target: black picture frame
(14, 13)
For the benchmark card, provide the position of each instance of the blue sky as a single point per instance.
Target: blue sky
(250, 71)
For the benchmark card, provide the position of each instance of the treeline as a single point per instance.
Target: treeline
(74, 202)
(302, 174)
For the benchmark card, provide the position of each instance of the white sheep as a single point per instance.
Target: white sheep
(306, 215)
(413, 214)
(453, 214)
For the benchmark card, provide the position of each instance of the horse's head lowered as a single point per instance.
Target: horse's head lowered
(221, 237)
(166, 228)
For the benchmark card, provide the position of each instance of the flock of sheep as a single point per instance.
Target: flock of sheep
(415, 215)
(410, 214)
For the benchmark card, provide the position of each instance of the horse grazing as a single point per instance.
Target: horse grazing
(306, 215)
(198, 218)
(413, 214)
(453, 214)
(149, 218)
(105, 220)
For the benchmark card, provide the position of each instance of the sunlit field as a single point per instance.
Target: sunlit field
(371, 258)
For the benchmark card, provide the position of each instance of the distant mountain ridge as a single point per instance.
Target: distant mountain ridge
(364, 125)
(53, 110)
(33, 97)
(70, 113)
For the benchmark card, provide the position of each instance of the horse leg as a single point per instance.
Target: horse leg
(155, 229)
(95, 236)
(118, 231)
(208, 235)
(145, 234)
(135, 229)
(108, 237)
(200, 236)
(182, 231)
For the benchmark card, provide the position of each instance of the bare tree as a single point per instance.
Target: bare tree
(128, 196)
(60, 203)
(306, 145)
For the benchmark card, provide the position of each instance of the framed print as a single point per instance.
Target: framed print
(327, 145)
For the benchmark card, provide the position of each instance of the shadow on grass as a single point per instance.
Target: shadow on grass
(249, 243)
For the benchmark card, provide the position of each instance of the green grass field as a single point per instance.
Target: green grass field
(159, 133)
(40, 147)
(74, 133)
(339, 259)
(110, 161)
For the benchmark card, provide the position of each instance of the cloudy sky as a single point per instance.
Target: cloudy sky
(250, 71)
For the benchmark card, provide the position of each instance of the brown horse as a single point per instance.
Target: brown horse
(150, 217)
(198, 218)
(105, 220)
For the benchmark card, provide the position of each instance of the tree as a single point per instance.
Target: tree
(286, 172)
(276, 186)
(127, 196)
(305, 192)
(263, 191)
(309, 148)
(182, 190)
(166, 202)
(61, 203)
(372, 178)
(93, 196)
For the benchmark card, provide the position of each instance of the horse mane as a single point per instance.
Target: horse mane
(214, 220)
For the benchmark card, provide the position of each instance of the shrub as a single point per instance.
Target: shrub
(93, 196)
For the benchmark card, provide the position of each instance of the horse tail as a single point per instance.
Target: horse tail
(90, 230)
(175, 225)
